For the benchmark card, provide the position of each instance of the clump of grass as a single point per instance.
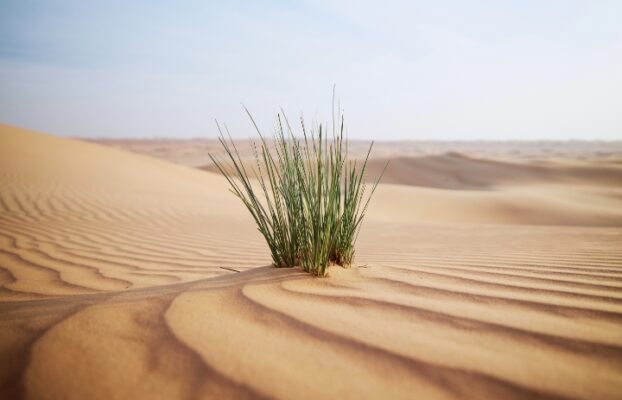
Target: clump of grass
(309, 199)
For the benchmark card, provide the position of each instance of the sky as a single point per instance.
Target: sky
(414, 70)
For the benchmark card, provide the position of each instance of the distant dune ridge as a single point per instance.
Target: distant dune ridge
(457, 171)
(194, 152)
(477, 276)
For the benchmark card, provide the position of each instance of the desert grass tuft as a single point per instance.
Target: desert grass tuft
(309, 199)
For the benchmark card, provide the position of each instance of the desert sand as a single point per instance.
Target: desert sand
(495, 275)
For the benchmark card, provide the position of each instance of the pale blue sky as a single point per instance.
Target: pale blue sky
(441, 69)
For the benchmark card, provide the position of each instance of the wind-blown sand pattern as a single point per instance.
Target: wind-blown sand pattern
(123, 276)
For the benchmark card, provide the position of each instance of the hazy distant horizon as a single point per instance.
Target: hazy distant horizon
(409, 70)
(381, 140)
(253, 136)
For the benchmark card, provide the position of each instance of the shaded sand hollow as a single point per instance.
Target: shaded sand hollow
(125, 277)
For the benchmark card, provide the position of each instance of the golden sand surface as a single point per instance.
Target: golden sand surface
(127, 277)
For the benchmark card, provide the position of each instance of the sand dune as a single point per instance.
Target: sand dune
(194, 152)
(458, 171)
(124, 276)
(482, 190)
(461, 172)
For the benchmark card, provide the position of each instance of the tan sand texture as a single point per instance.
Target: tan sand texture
(124, 277)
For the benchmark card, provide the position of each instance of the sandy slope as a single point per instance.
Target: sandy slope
(118, 281)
